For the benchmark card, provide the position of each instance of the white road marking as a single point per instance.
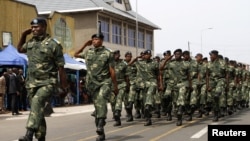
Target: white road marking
(202, 132)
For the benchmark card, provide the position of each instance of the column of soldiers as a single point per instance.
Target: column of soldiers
(178, 86)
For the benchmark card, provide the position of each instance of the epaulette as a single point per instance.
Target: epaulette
(54, 39)
(109, 49)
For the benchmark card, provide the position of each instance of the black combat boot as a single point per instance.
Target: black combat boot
(100, 137)
(130, 115)
(147, 113)
(100, 129)
(137, 114)
(216, 116)
(158, 110)
(190, 113)
(28, 136)
(169, 115)
(239, 105)
(41, 139)
(93, 114)
(223, 112)
(117, 118)
(230, 110)
(130, 105)
(179, 116)
(200, 112)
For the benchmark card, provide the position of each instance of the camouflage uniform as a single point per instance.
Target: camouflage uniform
(192, 95)
(45, 56)
(202, 92)
(248, 91)
(178, 85)
(244, 88)
(231, 88)
(98, 81)
(116, 101)
(238, 94)
(149, 71)
(167, 96)
(216, 75)
(140, 85)
(131, 72)
(130, 97)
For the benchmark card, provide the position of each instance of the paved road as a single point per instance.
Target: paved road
(74, 123)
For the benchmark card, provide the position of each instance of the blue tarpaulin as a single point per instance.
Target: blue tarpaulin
(10, 56)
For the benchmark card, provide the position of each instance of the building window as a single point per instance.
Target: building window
(131, 36)
(125, 34)
(141, 39)
(116, 32)
(119, 1)
(105, 28)
(149, 40)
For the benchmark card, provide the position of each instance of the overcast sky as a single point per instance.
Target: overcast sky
(183, 21)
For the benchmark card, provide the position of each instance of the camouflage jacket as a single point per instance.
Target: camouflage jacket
(178, 71)
(98, 61)
(131, 73)
(120, 72)
(149, 71)
(45, 55)
(216, 70)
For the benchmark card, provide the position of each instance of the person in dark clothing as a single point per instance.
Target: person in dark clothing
(13, 91)
(22, 105)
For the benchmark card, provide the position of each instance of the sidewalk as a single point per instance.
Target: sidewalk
(58, 111)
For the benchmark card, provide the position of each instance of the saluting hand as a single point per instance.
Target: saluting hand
(27, 31)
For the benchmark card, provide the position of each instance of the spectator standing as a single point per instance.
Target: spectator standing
(23, 92)
(13, 91)
(2, 91)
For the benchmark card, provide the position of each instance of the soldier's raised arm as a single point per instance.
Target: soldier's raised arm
(23, 40)
(88, 43)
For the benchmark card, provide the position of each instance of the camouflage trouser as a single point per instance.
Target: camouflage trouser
(132, 93)
(244, 90)
(194, 94)
(238, 95)
(170, 96)
(203, 95)
(116, 100)
(119, 99)
(157, 97)
(230, 93)
(248, 95)
(37, 97)
(100, 97)
(138, 99)
(181, 95)
(148, 95)
(216, 94)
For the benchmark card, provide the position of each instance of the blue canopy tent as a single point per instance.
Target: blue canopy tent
(11, 57)
(71, 63)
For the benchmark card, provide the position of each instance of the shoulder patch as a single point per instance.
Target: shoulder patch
(54, 39)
